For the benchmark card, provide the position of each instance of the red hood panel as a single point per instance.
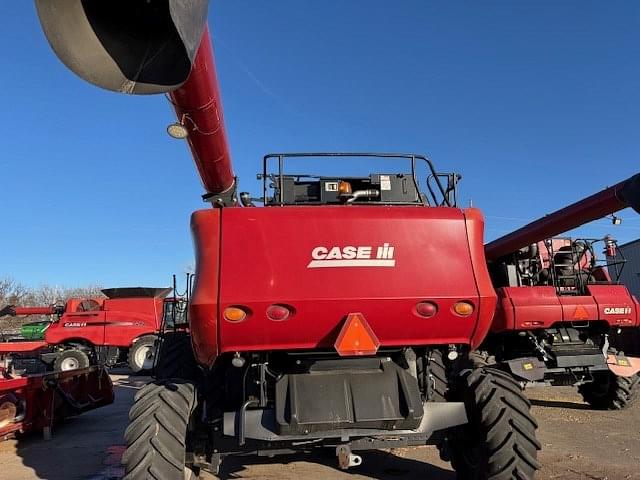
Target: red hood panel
(326, 262)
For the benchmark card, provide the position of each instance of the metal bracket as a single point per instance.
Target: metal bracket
(228, 198)
(530, 368)
(347, 459)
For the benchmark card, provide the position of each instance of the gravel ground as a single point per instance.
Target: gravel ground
(578, 444)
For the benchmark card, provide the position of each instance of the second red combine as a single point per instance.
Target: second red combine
(120, 327)
(562, 316)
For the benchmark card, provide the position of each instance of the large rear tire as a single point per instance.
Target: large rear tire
(175, 357)
(611, 392)
(156, 437)
(432, 380)
(499, 442)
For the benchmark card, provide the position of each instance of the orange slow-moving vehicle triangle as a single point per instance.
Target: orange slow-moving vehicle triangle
(356, 337)
(581, 313)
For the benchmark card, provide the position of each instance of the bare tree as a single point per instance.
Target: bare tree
(12, 292)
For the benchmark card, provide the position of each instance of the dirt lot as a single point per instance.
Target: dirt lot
(578, 444)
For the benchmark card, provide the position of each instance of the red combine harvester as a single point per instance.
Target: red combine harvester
(342, 314)
(314, 321)
(561, 318)
(121, 327)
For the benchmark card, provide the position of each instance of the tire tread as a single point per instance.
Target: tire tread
(156, 437)
(501, 422)
(611, 392)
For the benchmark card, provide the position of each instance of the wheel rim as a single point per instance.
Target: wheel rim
(144, 357)
(69, 363)
(8, 412)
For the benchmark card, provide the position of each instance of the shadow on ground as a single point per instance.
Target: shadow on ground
(90, 446)
(377, 464)
(83, 447)
(560, 404)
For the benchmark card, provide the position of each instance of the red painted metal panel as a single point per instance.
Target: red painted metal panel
(21, 347)
(199, 108)
(268, 257)
(487, 295)
(505, 315)
(128, 318)
(203, 308)
(527, 308)
(87, 326)
(578, 308)
(615, 305)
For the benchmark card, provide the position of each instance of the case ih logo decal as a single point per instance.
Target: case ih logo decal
(350, 256)
(617, 311)
(75, 324)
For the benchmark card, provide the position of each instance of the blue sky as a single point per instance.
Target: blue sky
(535, 103)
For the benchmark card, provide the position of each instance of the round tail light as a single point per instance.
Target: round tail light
(426, 309)
(278, 313)
(464, 309)
(234, 314)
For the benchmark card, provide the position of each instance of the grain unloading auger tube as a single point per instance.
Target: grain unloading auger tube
(606, 202)
(151, 47)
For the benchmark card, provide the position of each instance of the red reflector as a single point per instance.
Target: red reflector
(356, 337)
(580, 313)
(277, 312)
(426, 309)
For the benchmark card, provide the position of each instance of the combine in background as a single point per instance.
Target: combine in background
(122, 327)
(562, 316)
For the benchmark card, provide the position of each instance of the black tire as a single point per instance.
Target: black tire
(499, 442)
(481, 359)
(71, 359)
(175, 357)
(156, 437)
(611, 392)
(141, 355)
(434, 379)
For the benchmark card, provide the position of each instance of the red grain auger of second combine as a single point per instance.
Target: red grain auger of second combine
(340, 315)
(563, 318)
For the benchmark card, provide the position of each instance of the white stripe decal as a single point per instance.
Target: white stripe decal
(351, 263)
